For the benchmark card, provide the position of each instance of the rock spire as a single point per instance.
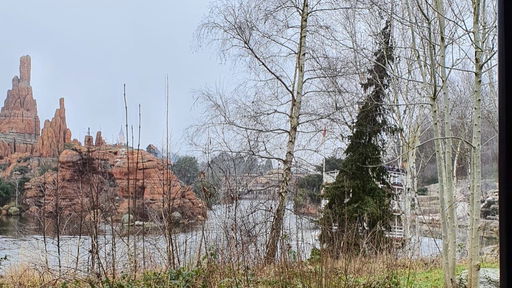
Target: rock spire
(54, 135)
(19, 113)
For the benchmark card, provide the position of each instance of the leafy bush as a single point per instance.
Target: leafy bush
(423, 191)
(23, 159)
(21, 169)
(68, 146)
(7, 190)
(428, 180)
(45, 168)
(309, 187)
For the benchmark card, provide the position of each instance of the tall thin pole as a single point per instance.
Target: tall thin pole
(128, 169)
(170, 250)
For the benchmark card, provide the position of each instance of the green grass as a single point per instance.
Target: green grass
(433, 277)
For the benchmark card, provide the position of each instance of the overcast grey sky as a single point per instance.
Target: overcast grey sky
(84, 50)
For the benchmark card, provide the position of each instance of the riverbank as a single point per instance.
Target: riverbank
(381, 271)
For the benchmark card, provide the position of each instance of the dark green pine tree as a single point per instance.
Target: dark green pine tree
(358, 207)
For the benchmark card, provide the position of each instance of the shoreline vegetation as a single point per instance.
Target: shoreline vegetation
(379, 271)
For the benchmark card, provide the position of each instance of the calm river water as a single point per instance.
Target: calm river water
(233, 232)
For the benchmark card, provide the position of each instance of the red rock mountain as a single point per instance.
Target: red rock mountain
(19, 123)
(116, 176)
(93, 168)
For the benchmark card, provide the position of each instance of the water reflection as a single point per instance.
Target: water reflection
(233, 233)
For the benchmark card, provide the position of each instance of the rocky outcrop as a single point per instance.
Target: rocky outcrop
(75, 142)
(110, 179)
(55, 134)
(19, 113)
(13, 143)
(99, 141)
(154, 151)
(19, 123)
(88, 141)
(489, 209)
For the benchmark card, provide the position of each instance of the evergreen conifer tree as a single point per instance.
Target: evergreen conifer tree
(358, 208)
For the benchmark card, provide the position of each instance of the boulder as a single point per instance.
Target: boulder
(176, 216)
(154, 151)
(489, 207)
(14, 211)
(127, 219)
(489, 278)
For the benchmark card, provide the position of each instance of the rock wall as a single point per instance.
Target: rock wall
(11, 143)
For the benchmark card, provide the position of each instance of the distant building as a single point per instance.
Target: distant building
(396, 178)
(121, 140)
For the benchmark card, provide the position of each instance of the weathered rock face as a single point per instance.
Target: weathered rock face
(19, 123)
(99, 140)
(54, 135)
(88, 141)
(19, 113)
(10, 144)
(106, 178)
(489, 208)
(154, 151)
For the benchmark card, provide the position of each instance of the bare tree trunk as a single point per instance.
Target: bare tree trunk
(277, 224)
(167, 209)
(128, 191)
(448, 179)
(441, 168)
(448, 187)
(135, 197)
(57, 223)
(411, 180)
(474, 239)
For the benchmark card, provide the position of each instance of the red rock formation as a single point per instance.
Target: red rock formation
(9, 145)
(76, 142)
(67, 137)
(19, 113)
(106, 171)
(54, 135)
(88, 141)
(99, 140)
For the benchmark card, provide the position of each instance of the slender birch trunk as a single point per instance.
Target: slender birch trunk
(411, 179)
(448, 178)
(441, 168)
(474, 239)
(277, 223)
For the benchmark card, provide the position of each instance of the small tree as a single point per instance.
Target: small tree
(6, 192)
(359, 199)
(186, 169)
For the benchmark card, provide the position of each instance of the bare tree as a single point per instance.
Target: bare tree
(481, 37)
(271, 37)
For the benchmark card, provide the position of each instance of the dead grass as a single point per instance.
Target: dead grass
(379, 271)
